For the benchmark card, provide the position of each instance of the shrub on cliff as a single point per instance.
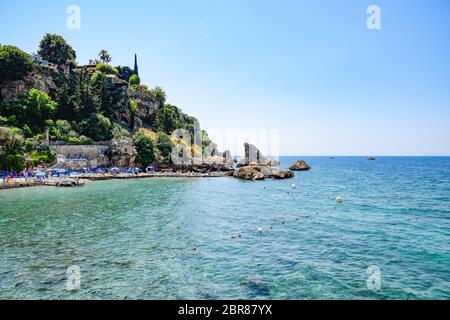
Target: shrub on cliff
(159, 94)
(145, 153)
(38, 108)
(12, 111)
(102, 93)
(61, 130)
(166, 118)
(55, 49)
(134, 81)
(106, 69)
(97, 127)
(14, 63)
(125, 73)
(43, 154)
(164, 145)
(11, 149)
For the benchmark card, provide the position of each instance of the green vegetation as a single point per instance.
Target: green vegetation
(106, 69)
(124, 73)
(144, 148)
(164, 145)
(55, 49)
(38, 107)
(97, 127)
(136, 69)
(11, 149)
(159, 94)
(82, 106)
(104, 56)
(134, 81)
(14, 63)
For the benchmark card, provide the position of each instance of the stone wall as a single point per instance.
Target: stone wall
(90, 152)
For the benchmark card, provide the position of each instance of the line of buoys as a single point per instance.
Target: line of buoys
(260, 230)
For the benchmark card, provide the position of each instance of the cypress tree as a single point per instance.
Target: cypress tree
(136, 70)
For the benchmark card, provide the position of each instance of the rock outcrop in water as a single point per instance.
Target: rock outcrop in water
(300, 165)
(255, 166)
(249, 173)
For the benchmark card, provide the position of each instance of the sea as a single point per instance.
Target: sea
(224, 238)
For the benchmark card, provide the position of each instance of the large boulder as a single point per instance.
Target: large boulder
(280, 174)
(300, 165)
(68, 182)
(262, 172)
(253, 156)
(249, 173)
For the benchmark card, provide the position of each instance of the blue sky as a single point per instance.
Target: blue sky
(310, 69)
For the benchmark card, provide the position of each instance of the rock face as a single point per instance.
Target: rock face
(122, 153)
(146, 105)
(249, 173)
(253, 156)
(300, 165)
(15, 90)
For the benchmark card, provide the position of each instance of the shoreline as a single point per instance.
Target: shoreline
(32, 182)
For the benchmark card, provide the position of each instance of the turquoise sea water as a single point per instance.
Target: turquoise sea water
(133, 239)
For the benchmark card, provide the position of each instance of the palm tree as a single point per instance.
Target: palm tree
(104, 56)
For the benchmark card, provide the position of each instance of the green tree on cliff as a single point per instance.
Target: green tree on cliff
(102, 87)
(134, 81)
(56, 50)
(144, 149)
(11, 149)
(125, 73)
(164, 145)
(136, 69)
(133, 112)
(97, 127)
(159, 94)
(38, 107)
(166, 118)
(14, 63)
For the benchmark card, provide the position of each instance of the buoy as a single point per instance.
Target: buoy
(194, 249)
(293, 186)
(235, 236)
(339, 199)
(259, 230)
